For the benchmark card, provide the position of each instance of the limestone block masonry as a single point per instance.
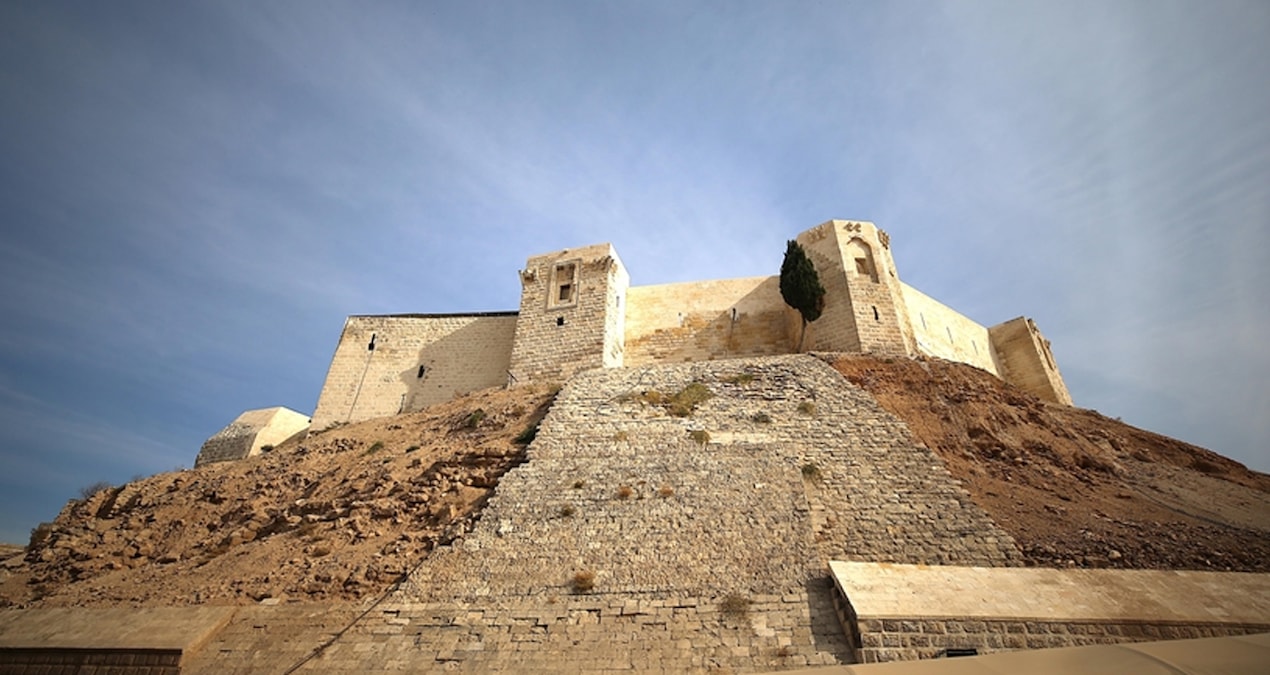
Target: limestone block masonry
(705, 538)
(579, 311)
(386, 365)
(906, 612)
(250, 432)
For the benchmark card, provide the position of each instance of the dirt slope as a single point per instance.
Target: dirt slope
(339, 515)
(1073, 487)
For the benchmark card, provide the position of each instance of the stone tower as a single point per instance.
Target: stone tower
(864, 302)
(571, 314)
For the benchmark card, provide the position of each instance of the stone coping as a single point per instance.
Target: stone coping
(886, 590)
(182, 629)
(1238, 655)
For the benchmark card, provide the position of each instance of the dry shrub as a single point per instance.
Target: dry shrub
(583, 581)
(625, 492)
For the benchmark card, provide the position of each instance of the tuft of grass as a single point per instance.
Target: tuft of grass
(625, 492)
(39, 534)
(740, 378)
(577, 484)
(807, 408)
(701, 436)
(474, 420)
(375, 447)
(267, 447)
(567, 511)
(621, 436)
(761, 418)
(320, 551)
(665, 491)
(735, 606)
(583, 581)
(87, 492)
(411, 449)
(811, 471)
(527, 436)
(687, 399)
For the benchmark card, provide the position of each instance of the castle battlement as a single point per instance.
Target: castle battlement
(578, 311)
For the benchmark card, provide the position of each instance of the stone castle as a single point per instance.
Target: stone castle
(578, 311)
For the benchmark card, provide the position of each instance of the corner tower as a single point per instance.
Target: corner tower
(864, 301)
(571, 314)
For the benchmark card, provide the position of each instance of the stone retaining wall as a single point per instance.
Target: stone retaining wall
(704, 555)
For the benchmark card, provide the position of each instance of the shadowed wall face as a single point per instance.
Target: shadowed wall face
(385, 365)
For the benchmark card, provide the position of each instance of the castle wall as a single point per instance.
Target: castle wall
(417, 361)
(249, 432)
(864, 304)
(1026, 360)
(571, 314)
(704, 320)
(941, 331)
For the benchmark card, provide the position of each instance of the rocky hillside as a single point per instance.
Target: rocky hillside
(345, 513)
(339, 515)
(1073, 487)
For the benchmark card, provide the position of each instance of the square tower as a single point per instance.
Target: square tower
(864, 301)
(571, 314)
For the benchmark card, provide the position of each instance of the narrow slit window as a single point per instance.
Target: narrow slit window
(875, 314)
(422, 370)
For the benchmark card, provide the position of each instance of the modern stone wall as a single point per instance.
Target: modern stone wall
(251, 431)
(905, 612)
(704, 320)
(941, 331)
(1026, 360)
(385, 365)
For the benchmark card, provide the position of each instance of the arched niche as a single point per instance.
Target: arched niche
(860, 259)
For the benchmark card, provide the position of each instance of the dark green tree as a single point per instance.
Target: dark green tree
(800, 286)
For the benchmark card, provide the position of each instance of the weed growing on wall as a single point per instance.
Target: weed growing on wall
(807, 408)
(735, 606)
(583, 581)
(701, 436)
(474, 420)
(686, 401)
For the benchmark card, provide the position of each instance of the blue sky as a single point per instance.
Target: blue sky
(195, 195)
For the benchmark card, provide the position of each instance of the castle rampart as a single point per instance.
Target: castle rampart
(703, 320)
(385, 365)
(578, 311)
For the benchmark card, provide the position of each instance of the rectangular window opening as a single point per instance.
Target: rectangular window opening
(422, 370)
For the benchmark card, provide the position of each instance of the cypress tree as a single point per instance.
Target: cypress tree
(800, 286)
